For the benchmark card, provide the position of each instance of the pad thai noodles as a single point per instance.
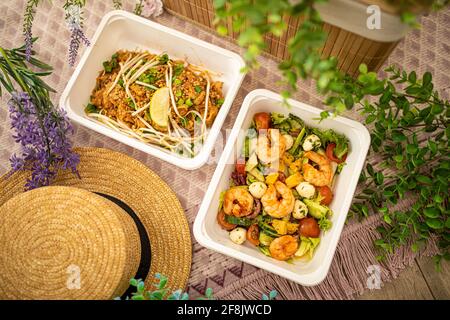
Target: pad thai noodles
(157, 100)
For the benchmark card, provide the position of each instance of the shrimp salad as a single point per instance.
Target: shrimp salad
(157, 100)
(282, 186)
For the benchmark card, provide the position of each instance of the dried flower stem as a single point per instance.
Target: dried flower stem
(28, 19)
(138, 8)
(117, 4)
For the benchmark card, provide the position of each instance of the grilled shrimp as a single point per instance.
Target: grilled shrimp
(238, 202)
(283, 248)
(270, 146)
(318, 177)
(273, 205)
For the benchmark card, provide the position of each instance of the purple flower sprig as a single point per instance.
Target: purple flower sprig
(74, 20)
(28, 19)
(43, 137)
(76, 37)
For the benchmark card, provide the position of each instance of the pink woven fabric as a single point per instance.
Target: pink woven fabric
(425, 49)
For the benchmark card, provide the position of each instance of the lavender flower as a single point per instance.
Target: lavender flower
(43, 139)
(74, 23)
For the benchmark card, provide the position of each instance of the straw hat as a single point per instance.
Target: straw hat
(66, 243)
(155, 209)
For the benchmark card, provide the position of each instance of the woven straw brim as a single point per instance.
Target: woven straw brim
(65, 243)
(122, 177)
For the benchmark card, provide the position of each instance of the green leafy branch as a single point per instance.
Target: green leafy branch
(254, 19)
(411, 136)
(161, 292)
(409, 119)
(15, 72)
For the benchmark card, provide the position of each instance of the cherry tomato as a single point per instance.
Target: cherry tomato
(224, 223)
(253, 234)
(262, 120)
(326, 194)
(309, 228)
(330, 153)
(240, 165)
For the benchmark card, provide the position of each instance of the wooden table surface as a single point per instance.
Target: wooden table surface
(421, 281)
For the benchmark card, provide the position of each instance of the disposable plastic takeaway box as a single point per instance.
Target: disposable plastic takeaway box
(122, 30)
(209, 234)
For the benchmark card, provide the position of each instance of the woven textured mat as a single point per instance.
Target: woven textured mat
(424, 49)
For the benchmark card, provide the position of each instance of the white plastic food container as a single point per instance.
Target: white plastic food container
(209, 234)
(122, 30)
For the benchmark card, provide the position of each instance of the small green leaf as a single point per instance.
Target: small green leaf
(447, 223)
(424, 179)
(363, 68)
(365, 210)
(412, 77)
(209, 292)
(412, 149)
(162, 283)
(133, 282)
(434, 223)
(273, 294)
(379, 178)
(370, 169)
(437, 109)
(371, 118)
(141, 286)
(222, 30)
(438, 198)
(426, 80)
(431, 212)
(398, 136)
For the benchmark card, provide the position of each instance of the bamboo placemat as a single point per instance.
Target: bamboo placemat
(424, 49)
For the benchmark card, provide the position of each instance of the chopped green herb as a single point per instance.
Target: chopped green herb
(184, 123)
(131, 103)
(324, 224)
(148, 78)
(189, 102)
(178, 93)
(120, 82)
(198, 89)
(180, 102)
(110, 65)
(219, 102)
(340, 167)
(164, 58)
(245, 222)
(177, 81)
(178, 69)
(107, 66)
(90, 108)
(277, 118)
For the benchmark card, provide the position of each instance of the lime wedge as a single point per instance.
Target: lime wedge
(159, 107)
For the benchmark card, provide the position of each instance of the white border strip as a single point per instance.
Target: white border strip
(352, 16)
